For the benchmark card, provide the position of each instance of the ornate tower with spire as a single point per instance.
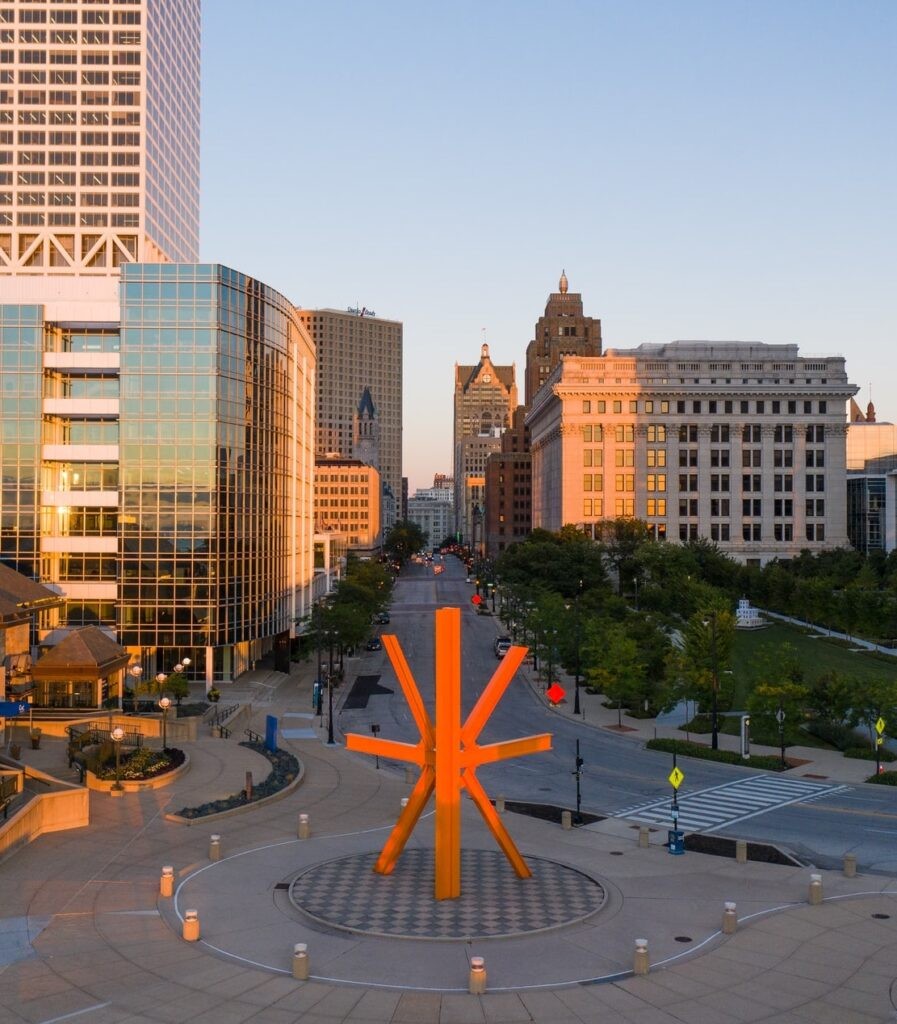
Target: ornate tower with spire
(366, 431)
(561, 330)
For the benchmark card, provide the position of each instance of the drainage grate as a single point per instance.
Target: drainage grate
(881, 917)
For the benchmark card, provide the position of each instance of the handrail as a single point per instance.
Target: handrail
(254, 737)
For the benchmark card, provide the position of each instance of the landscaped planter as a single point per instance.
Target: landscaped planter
(137, 785)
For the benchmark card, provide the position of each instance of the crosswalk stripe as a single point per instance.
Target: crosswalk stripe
(717, 806)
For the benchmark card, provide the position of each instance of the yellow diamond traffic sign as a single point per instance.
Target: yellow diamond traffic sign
(880, 726)
(676, 777)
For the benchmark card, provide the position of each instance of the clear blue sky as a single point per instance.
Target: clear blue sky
(705, 170)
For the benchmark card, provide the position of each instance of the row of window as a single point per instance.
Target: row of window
(70, 220)
(688, 457)
(32, 77)
(56, 16)
(89, 179)
(720, 433)
(69, 98)
(70, 37)
(663, 406)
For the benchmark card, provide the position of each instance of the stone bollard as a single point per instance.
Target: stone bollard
(409, 775)
(214, 847)
(741, 851)
(166, 882)
(814, 896)
(300, 961)
(730, 919)
(850, 865)
(190, 931)
(640, 964)
(248, 789)
(477, 986)
(303, 831)
(644, 840)
(566, 820)
(499, 805)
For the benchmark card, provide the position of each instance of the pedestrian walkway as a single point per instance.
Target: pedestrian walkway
(710, 809)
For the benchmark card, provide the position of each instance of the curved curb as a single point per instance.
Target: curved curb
(251, 805)
(138, 785)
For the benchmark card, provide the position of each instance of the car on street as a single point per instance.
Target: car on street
(501, 646)
(382, 618)
(373, 644)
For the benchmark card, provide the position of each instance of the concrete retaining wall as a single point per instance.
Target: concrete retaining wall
(47, 812)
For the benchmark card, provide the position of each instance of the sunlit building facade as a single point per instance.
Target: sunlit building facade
(99, 137)
(741, 443)
(158, 466)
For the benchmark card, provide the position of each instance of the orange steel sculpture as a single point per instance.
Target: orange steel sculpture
(448, 755)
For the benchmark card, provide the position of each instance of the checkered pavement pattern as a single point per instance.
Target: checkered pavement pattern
(347, 893)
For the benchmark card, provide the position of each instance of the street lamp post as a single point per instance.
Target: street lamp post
(165, 704)
(577, 708)
(714, 681)
(118, 734)
(330, 740)
(135, 671)
(780, 718)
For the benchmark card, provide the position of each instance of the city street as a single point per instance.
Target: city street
(818, 819)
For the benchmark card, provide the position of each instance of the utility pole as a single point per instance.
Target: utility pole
(578, 776)
(714, 713)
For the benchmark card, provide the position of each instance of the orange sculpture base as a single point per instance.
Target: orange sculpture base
(448, 754)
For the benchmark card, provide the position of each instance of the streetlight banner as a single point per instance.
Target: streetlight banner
(13, 708)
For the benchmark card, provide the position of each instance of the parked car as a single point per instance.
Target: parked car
(501, 646)
(373, 644)
(382, 618)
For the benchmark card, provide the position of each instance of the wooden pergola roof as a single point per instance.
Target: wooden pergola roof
(86, 654)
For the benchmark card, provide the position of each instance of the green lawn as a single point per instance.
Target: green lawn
(757, 657)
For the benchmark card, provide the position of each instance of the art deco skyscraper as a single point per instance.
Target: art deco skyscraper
(99, 137)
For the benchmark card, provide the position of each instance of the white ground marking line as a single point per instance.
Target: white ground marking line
(77, 1013)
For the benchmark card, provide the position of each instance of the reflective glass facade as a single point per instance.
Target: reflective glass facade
(160, 470)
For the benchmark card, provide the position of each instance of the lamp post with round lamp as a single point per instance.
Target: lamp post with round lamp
(135, 671)
(165, 704)
(118, 734)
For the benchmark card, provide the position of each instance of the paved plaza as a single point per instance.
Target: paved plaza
(85, 936)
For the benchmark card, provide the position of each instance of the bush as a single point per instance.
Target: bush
(884, 779)
(842, 737)
(687, 749)
(867, 754)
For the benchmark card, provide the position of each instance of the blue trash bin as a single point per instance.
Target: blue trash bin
(676, 841)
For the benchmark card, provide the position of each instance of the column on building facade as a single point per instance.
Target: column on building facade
(835, 493)
(768, 494)
(673, 517)
(738, 494)
(705, 470)
(800, 486)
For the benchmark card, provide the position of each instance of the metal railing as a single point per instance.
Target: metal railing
(83, 737)
(253, 736)
(221, 714)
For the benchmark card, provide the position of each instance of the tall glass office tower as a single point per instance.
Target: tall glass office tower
(160, 469)
(99, 135)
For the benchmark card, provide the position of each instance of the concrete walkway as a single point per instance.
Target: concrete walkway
(85, 936)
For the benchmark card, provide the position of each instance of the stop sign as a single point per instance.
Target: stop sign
(476, 599)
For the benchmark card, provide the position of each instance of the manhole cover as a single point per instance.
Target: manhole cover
(684, 938)
(347, 893)
(881, 917)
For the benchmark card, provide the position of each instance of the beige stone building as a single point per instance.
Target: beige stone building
(739, 442)
(347, 502)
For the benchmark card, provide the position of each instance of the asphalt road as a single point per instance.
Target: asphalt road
(618, 772)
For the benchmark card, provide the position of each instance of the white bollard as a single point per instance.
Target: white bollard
(190, 931)
(850, 865)
(640, 964)
(404, 802)
(814, 896)
(303, 831)
(741, 851)
(166, 882)
(730, 919)
(644, 837)
(300, 961)
(214, 847)
(499, 805)
(477, 986)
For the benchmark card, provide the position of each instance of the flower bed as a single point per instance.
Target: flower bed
(765, 761)
(284, 770)
(142, 763)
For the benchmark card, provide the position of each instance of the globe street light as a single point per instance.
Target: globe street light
(136, 672)
(165, 704)
(118, 734)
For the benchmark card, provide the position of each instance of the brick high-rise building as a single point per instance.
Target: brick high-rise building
(508, 495)
(562, 329)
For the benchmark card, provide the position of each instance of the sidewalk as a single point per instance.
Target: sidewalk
(85, 936)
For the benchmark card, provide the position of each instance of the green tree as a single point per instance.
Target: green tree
(708, 642)
(768, 698)
(620, 540)
(612, 664)
(176, 684)
(404, 540)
